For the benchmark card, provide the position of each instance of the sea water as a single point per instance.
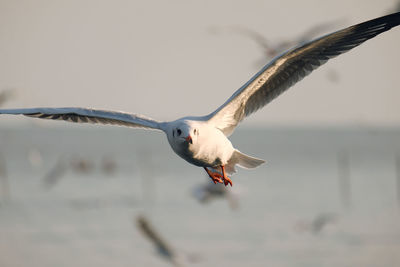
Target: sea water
(71, 196)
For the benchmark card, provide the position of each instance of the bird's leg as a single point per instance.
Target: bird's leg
(216, 177)
(226, 179)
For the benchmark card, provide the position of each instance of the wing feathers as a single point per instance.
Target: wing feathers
(291, 67)
(84, 115)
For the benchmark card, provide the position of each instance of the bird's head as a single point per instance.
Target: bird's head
(183, 133)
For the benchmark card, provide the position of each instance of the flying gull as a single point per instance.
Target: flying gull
(273, 49)
(203, 141)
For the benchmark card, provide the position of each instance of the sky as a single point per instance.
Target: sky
(165, 60)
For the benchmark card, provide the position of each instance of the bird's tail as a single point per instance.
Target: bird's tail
(243, 161)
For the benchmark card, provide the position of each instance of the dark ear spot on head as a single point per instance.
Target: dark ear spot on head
(173, 133)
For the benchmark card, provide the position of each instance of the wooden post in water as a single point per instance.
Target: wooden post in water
(344, 179)
(4, 185)
(146, 171)
(398, 179)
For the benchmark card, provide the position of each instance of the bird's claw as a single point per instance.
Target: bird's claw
(217, 180)
(216, 177)
(227, 181)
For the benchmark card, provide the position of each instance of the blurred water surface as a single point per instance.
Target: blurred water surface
(326, 197)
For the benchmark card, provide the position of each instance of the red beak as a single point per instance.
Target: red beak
(189, 139)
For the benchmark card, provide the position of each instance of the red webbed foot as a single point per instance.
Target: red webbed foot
(225, 177)
(218, 178)
(227, 181)
(215, 176)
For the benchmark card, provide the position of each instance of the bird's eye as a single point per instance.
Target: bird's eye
(195, 131)
(179, 132)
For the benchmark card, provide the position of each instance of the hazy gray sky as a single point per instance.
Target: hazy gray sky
(160, 59)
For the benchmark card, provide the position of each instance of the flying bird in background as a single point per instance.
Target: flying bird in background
(208, 191)
(5, 95)
(272, 49)
(164, 249)
(203, 141)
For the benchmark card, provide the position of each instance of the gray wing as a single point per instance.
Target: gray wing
(292, 66)
(86, 115)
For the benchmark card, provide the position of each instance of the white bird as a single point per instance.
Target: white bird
(203, 141)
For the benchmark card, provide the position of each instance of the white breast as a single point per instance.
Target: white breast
(211, 147)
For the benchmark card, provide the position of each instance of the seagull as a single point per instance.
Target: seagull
(206, 192)
(164, 249)
(203, 140)
(273, 49)
(318, 223)
(5, 96)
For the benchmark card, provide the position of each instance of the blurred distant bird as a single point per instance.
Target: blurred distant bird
(76, 164)
(55, 174)
(5, 96)
(108, 165)
(272, 49)
(163, 248)
(206, 192)
(318, 223)
(203, 141)
(81, 165)
(395, 8)
(321, 221)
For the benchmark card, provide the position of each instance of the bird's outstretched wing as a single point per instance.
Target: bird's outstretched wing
(292, 66)
(86, 115)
